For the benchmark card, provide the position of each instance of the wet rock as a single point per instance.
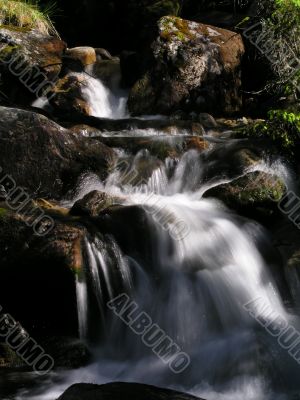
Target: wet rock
(29, 63)
(67, 96)
(86, 55)
(41, 270)
(67, 352)
(179, 115)
(103, 54)
(45, 159)
(255, 189)
(109, 72)
(93, 203)
(159, 146)
(130, 227)
(207, 121)
(131, 125)
(236, 123)
(128, 391)
(190, 60)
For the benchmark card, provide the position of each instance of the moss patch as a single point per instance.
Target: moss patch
(173, 27)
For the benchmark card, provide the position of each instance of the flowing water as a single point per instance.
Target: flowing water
(103, 103)
(192, 266)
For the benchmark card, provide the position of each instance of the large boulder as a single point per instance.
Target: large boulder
(194, 67)
(29, 63)
(44, 158)
(126, 391)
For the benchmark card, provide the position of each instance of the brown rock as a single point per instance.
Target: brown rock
(86, 55)
(93, 203)
(67, 95)
(195, 66)
(56, 157)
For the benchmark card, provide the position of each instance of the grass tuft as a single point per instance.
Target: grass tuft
(28, 15)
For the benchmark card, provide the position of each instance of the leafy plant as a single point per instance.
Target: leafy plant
(282, 127)
(28, 15)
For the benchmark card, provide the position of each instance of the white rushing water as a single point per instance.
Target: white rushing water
(203, 267)
(197, 267)
(102, 101)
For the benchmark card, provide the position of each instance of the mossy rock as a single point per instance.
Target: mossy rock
(255, 189)
(192, 67)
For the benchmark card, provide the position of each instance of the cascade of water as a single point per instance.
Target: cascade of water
(204, 268)
(195, 290)
(103, 256)
(103, 103)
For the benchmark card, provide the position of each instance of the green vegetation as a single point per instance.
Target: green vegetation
(282, 127)
(27, 14)
(279, 41)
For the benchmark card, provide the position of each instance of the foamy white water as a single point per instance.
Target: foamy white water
(103, 103)
(204, 268)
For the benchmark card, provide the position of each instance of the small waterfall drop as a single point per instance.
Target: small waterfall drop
(103, 102)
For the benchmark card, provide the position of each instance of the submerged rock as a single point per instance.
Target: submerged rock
(195, 67)
(44, 158)
(126, 391)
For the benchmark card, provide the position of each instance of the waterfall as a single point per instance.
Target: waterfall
(194, 287)
(103, 102)
(103, 256)
(197, 270)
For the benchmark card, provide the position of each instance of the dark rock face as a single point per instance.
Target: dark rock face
(195, 66)
(37, 282)
(124, 391)
(44, 158)
(29, 61)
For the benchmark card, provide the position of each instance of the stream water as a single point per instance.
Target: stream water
(201, 267)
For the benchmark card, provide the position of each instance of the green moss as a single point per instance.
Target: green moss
(173, 27)
(6, 51)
